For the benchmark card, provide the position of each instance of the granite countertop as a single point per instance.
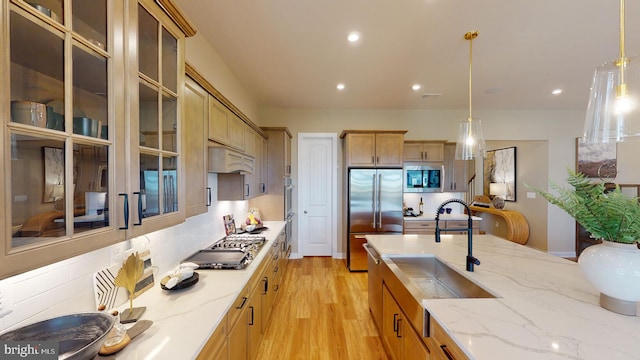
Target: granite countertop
(443, 217)
(545, 308)
(183, 320)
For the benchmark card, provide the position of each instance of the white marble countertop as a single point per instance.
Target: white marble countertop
(443, 217)
(545, 308)
(183, 320)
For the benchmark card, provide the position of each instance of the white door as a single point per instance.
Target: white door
(317, 164)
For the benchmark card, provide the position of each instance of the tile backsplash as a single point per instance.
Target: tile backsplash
(432, 201)
(67, 286)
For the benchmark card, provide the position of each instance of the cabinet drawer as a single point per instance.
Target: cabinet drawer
(444, 347)
(420, 225)
(238, 306)
(462, 224)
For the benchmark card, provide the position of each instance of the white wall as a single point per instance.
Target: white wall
(206, 60)
(559, 128)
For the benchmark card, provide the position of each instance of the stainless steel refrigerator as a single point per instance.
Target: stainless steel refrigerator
(375, 206)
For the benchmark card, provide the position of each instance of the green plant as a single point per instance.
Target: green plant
(607, 214)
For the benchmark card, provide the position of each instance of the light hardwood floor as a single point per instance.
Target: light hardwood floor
(321, 312)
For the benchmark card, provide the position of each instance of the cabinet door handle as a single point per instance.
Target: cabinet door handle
(139, 208)
(209, 196)
(265, 281)
(398, 332)
(446, 352)
(251, 321)
(244, 300)
(126, 212)
(395, 323)
(247, 185)
(426, 155)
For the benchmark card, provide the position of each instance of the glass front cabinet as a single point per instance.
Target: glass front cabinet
(90, 121)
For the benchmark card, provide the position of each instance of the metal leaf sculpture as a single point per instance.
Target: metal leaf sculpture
(129, 274)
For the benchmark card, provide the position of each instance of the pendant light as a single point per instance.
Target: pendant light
(613, 111)
(470, 143)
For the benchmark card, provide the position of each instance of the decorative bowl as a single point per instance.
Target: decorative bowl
(79, 336)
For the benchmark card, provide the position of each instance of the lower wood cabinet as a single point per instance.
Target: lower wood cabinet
(444, 348)
(398, 336)
(216, 347)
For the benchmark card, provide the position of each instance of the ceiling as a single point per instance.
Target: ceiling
(293, 53)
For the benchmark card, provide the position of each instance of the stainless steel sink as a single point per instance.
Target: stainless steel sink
(434, 279)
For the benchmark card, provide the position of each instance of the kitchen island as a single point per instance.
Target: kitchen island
(544, 307)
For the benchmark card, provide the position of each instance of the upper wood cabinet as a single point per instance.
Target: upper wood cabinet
(61, 125)
(225, 127)
(157, 71)
(76, 147)
(423, 150)
(196, 106)
(373, 148)
(456, 172)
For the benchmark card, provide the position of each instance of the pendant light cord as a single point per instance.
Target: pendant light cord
(470, 36)
(623, 59)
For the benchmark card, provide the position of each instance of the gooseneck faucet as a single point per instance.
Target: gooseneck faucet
(469, 229)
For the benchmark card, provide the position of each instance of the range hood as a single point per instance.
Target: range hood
(225, 160)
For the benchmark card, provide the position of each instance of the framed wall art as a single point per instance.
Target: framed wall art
(499, 167)
(596, 160)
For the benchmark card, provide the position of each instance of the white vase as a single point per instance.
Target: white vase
(614, 269)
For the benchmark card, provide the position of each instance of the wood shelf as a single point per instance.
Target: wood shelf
(517, 225)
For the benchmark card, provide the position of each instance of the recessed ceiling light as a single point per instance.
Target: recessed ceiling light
(353, 37)
(557, 92)
(416, 87)
(340, 86)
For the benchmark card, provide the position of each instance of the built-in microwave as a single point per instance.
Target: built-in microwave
(423, 178)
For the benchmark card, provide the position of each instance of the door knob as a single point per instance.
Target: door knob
(305, 211)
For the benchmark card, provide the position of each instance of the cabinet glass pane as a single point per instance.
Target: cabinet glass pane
(37, 189)
(170, 184)
(148, 116)
(169, 61)
(37, 72)
(149, 185)
(90, 21)
(50, 8)
(169, 123)
(91, 189)
(147, 44)
(90, 101)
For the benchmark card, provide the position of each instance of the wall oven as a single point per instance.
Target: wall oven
(423, 178)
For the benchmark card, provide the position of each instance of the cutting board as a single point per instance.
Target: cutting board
(105, 291)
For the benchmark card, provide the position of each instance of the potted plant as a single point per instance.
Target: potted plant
(612, 266)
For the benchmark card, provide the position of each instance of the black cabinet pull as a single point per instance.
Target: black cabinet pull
(251, 322)
(395, 323)
(265, 281)
(126, 212)
(209, 196)
(139, 208)
(398, 332)
(446, 352)
(244, 300)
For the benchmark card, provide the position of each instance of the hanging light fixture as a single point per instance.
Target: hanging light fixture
(470, 143)
(613, 112)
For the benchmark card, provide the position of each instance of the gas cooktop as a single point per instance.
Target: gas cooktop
(232, 252)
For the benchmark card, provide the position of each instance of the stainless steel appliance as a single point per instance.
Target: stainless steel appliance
(422, 177)
(232, 252)
(375, 285)
(375, 206)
